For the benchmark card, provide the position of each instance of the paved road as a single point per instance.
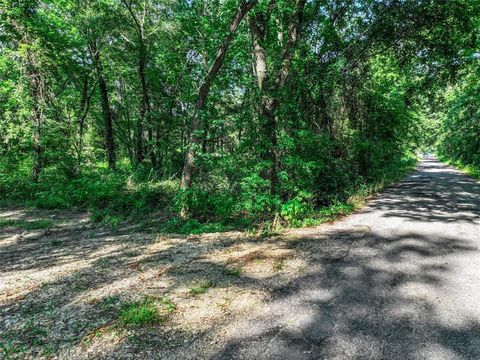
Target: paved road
(398, 280)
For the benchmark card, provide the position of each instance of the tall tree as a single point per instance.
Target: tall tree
(23, 24)
(145, 105)
(243, 8)
(272, 79)
(106, 110)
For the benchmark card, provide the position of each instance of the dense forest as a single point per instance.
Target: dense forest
(209, 114)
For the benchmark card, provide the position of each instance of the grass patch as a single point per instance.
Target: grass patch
(137, 314)
(168, 304)
(234, 272)
(26, 225)
(6, 223)
(193, 226)
(277, 265)
(104, 263)
(109, 196)
(8, 349)
(201, 288)
(36, 334)
(55, 242)
(469, 169)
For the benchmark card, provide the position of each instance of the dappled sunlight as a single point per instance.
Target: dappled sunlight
(374, 282)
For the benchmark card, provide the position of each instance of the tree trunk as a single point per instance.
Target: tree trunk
(242, 10)
(36, 93)
(107, 112)
(271, 84)
(144, 107)
(139, 157)
(37, 147)
(33, 73)
(82, 115)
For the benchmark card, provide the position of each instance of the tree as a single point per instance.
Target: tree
(243, 9)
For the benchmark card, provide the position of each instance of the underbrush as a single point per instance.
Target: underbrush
(313, 191)
(109, 197)
(26, 225)
(314, 188)
(472, 170)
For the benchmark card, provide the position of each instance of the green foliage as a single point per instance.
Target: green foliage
(460, 130)
(297, 208)
(104, 263)
(139, 313)
(255, 199)
(109, 196)
(55, 242)
(168, 304)
(110, 302)
(234, 272)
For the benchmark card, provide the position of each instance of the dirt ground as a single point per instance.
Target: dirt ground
(65, 280)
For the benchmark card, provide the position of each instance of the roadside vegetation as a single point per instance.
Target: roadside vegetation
(459, 130)
(200, 117)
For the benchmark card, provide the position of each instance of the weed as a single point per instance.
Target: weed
(225, 303)
(270, 228)
(48, 350)
(55, 242)
(8, 349)
(277, 265)
(234, 272)
(201, 288)
(104, 263)
(98, 332)
(139, 313)
(50, 309)
(36, 225)
(169, 305)
(132, 253)
(36, 334)
(110, 302)
(26, 225)
(6, 223)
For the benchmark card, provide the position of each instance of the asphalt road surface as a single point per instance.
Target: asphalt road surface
(398, 280)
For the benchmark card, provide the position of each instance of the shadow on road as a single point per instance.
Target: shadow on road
(388, 294)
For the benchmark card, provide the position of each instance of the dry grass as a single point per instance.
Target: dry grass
(66, 290)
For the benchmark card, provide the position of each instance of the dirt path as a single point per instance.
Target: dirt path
(398, 280)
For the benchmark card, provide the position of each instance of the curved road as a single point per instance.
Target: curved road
(398, 280)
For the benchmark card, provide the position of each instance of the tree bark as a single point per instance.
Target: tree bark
(145, 106)
(37, 131)
(242, 10)
(107, 112)
(36, 94)
(82, 115)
